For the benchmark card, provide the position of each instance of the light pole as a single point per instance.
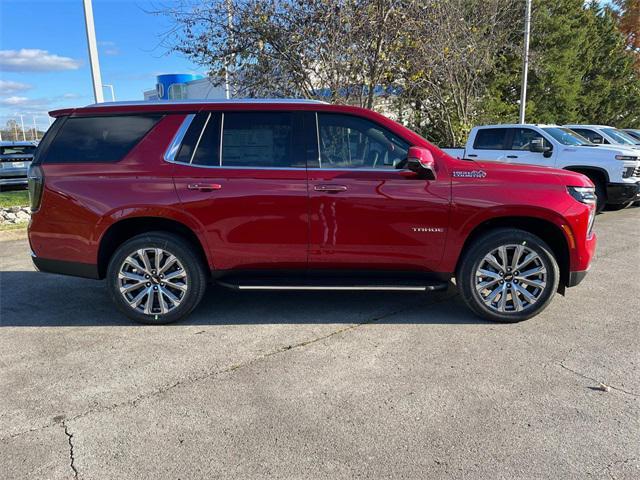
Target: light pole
(110, 87)
(24, 137)
(525, 61)
(93, 52)
(35, 129)
(15, 130)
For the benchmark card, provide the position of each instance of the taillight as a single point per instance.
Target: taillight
(36, 185)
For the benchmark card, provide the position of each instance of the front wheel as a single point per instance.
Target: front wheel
(156, 278)
(508, 275)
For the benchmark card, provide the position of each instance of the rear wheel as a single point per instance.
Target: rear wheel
(508, 275)
(156, 278)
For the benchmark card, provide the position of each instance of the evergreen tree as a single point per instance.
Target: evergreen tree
(610, 92)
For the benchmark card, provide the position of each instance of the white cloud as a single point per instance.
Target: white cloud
(14, 100)
(7, 87)
(35, 60)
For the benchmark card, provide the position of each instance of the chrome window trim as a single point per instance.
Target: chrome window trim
(176, 142)
(318, 140)
(195, 148)
(221, 139)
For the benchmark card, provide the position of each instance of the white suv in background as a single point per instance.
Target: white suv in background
(613, 169)
(605, 135)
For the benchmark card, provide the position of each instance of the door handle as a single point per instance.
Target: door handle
(472, 155)
(330, 188)
(512, 156)
(204, 187)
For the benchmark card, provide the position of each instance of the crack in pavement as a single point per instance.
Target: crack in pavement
(211, 374)
(71, 455)
(561, 364)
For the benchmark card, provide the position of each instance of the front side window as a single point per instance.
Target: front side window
(522, 138)
(346, 141)
(98, 139)
(590, 135)
(259, 139)
(620, 137)
(491, 139)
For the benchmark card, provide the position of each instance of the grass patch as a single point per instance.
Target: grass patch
(13, 226)
(16, 198)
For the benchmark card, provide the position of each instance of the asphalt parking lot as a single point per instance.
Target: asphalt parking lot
(321, 385)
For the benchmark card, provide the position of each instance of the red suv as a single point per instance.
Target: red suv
(160, 199)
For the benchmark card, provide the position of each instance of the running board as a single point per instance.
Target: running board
(338, 285)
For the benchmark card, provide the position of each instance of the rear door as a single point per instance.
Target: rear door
(489, 144)
(242, 175)
(365, 213)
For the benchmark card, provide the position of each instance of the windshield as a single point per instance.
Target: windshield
(620, 137)
(566, 136)
(17, 150)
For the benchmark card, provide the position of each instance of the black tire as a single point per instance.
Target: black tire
(601, 194)
(473, 257)
(193, 266)
(614, 207)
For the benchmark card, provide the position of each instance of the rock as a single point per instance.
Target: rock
(23, 215)
(10, 216)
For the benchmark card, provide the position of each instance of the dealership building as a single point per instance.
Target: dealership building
(183, 86)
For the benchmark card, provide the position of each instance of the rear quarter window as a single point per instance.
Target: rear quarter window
(100, 139)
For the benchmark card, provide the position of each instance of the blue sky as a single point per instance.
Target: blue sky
(44, 62)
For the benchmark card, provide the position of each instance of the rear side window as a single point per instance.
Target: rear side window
(491, 139)
(98, 139)
(259, 139)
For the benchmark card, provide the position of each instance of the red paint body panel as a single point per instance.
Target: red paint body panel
(270, 218)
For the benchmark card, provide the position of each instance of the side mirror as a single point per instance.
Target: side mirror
(537, 145)
(421, 162)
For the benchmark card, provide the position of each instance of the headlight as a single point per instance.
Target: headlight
(583, 194)
(626, 157)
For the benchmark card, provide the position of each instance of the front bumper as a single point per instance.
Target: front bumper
(13, 180)
(623, 192)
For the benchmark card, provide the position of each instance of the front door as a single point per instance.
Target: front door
(365, 213)
(242, 175)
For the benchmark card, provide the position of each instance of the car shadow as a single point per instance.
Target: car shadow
(33, 299)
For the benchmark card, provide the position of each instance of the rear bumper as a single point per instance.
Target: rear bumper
(61, 267)
(623, 192)
(576, 277)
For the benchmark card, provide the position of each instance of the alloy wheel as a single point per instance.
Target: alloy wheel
(152, 281)
(510, 278)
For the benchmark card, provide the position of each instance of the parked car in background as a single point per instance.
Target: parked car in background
(160, 198)
(634, 132)
(15, 160)
(605, 135)
(613, 169)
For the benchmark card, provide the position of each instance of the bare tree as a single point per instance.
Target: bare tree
(458, 42)
(340, 50)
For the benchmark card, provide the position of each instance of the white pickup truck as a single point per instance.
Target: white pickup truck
(613, 169)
